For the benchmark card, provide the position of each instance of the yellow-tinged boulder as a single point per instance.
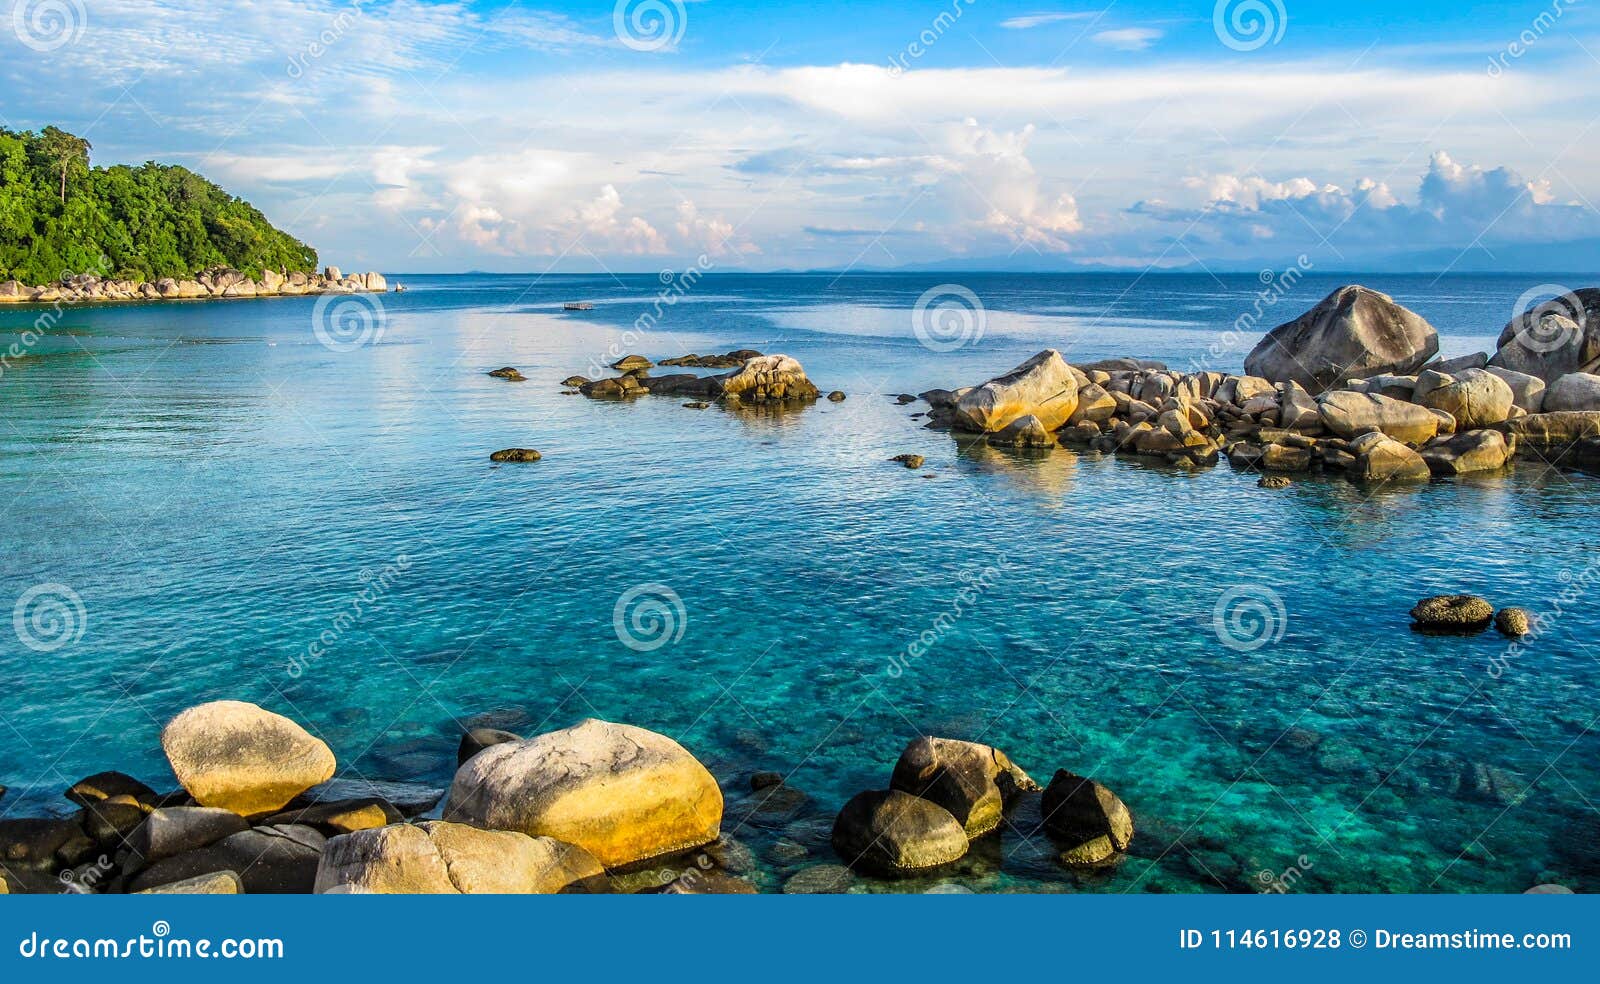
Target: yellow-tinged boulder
(240, 757)
(438, 858)
(621, 793)
(1044, 387)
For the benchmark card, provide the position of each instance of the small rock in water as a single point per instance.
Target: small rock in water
(629, 362)
(576, 381)
(1090, 820)
(1458, 613)
(1513, 621)
(905, 398)
(508, 372)
(1274, 482)
(820, 879)
(912, 461)
(837, 396)
(516, 454)
(888, 832)
(697, 405)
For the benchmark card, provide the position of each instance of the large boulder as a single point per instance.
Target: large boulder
(622, 793)
(889, 832)
(1574, 391)
(175, 830)
(1350, 414)
(1475, 398)
(437, 858)
(275, 860)
(1090, 822)
(974, 782)
(1527, 391)
(1044, 387)
(1467, 452)
(1553, 339)
(769, 379)
(239, 757)
(1354, 333)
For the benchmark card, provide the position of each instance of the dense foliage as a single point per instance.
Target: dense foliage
(60, 216)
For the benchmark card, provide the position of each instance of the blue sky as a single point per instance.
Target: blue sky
(409, 135)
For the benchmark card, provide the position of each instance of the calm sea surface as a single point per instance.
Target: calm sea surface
(219, 490)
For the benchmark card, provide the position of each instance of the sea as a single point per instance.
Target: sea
(290, 501)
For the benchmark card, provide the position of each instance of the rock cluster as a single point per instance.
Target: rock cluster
(1467, 615)
(217, 283)
(944, 794)
(756, 380)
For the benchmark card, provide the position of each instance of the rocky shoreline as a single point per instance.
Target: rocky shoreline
(218, 283)
(599, 807)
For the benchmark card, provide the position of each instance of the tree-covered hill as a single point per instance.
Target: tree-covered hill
(60, 216)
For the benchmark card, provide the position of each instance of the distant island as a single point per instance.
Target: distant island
(154, 231)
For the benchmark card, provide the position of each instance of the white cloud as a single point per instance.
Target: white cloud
(1029, 21)
(1128, 38)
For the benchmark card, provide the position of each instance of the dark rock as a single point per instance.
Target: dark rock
(180, 829)
(576, 381)
(42, 843)
(269, 861)
(1458, 613)
(697, 405)
(340, 816)
(628, 362)
(820, 879)
(905, 398)
(761, 780)
(912, 461)
(1088, 819)
(1513, 622)
(516, 455)
(104, 785)
(478, 739)
(975, 783)
(837, 396)
(508, 372)
(892, 833)
(1274, 482)
(708, 881)
(411, 799)
(109, 822)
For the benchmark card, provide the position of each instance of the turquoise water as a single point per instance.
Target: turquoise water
(216, 486)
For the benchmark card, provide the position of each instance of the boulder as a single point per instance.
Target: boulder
(1044, 386)
(515, 455)
(629, 363)
(215, 883)
(769, 379)
(1550, 431)
(1090, 822)
(911, 461)
(376, 282)
(1247, 388)
(622, 793)
(1576, 391)
(175, 830)
(1513, 622)
(889, 832)
(1474, 397)
(1283, 457)
(437, 858)
(975, 783)
(42, 843)
(1353, 333)
(1350, 414)
(1297, 410)
(1024, 432)
(1094, 405)
(105, 785)
(1476, 360)
(1383, 459)
(511, 373)
(337, 817)
(237, 756)
(1467, 452)
(1553, 339)
(1527, 391)
(275, 860)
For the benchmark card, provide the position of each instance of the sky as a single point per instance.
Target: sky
(421, 136)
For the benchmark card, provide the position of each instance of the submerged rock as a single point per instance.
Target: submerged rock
(912, 461)
(629, 363)
(237, 756)
(889, 832)
(1274, 482)
(622, 793)
(476, 740)
(516, 455)
(1353, 333)
(837, 396)
(508, 372)
(975, 783)
(1513, 622)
